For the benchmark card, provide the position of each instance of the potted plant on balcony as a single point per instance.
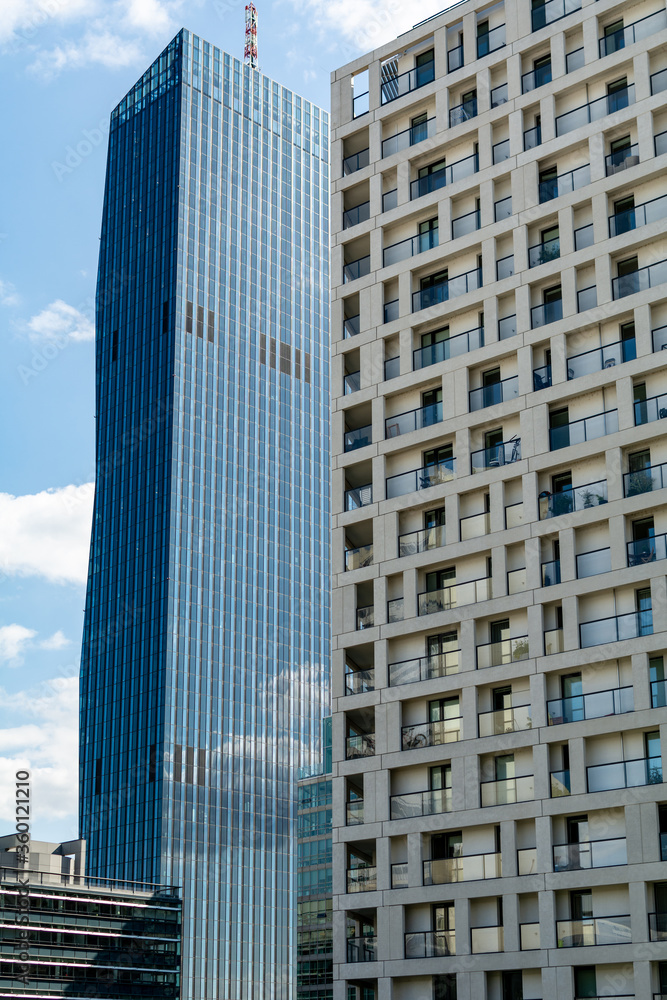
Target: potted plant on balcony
(588, 498)
(520, 651)
(640, 482)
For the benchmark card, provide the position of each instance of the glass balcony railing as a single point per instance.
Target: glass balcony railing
(659, 700)
(660, 143)
(529, 936)
(593, 931)
(659, 81)
(420, 479)
(634, 32)
(575, 60)
(389, 200)
(532, 137)
(354, 812)
(392, 368)
(505, 720)
(585, 429)
(616, 629)
(505, 267)
(601, 357)
(475, 526)
(408, 137)
(657, 925)
(502, 209)
(445, 175)
(395, 610)
(463, 112)
(362, 949)
(573, 498)
(429, 944)
(587, 298)
(640, 215)
(659, 338)
(433, 295)
(397, 86)
(354, 216)
(358, 437)
(653, 477)
(550, 573)
(593, 562)
(360, 104)
(564, 183)
(452, 347)
(498, 392)
(501, 151)
(356, 269)
(456, 596)
(594, 110)
(507, 327)
(421, 541)
(409, 248)
(360, 681)
(542, 253)
(351, 327)
(548, 312)
(640, 280)
(559, 783)
(527, 861)
(454, 58)
(352, 382)
(553, 10)
(553, 641)
(595, 705)
(365, 617)
(358, 558)
(514, 515)
(516, 580)
(469, 868)
(590, 854)
(505, 453)
(466, 224)
(584, 237)
(428, 803)
(621, 159)
(412, 420)
(535, 78)
(491, 41)
(424, 668)
(648, 410)
(431, 734)
(624, 774)
(391, 311)
(647, 550)
(399, 875)
(486, 940)
(499, 95)
(355, 161)
(363, 879)
(493, 654)
(360, 745)
(508, 790)
(358, 496)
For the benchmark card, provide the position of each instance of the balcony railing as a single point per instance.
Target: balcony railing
(466, 224)
(590, 854)
(365, 617)
(456, 596)
(616, 629)
(454, 58)
(542, 253)
(526, 860)
(445, 175)
(587, 298)
(593, 562)
(584, 237)
(351, 327)
(553, 641)
(575, 60)
(505, 453)
(529, 936)
(657, 925)
(548, 312)
(391, 310)
(358, 437)
(354, 812)
(660, 143)
(429, 944)
(535, 78)
(355, 161)
(412, 420)
(362, 879)
(559, 784)
(469, 868)
(360, 681)
(463, 112)
(624, 774)
(653, 408)
(362, 949)
(389, 200)
(409, 248)
(550, 573)
(360, 104)
(621, 159)
(501, 151)
(399, 875)
(553, 10)
(514, 515)
(505, 267)
(360, 745)
(356, 269)
(640, 280)
(493, 654)
(395, 610)
(595, 705)
(452, 347)
(422, 540)
(573, 498)
(532, 137)
(354, 216)
(424, 668)
(565, 183)
(659, 338)
(420, 479)
(499, 95)
(593, 931)
(486, 940)
(352, 382)
(358, 496)
(642, 28)
(647, 550)
(595, 110)
(431, 734)
(392, 368)
(601, 357)
(502, 209)
(640, 215)
(475, 525)
(498, 392)
(491, 41)
(659, 700)
(585, 429)
(432, 295)
(659, 81)
(507, 327)
(508, 790)
(505, 720)
(398, 86)
(359, 557)
(408, 137)
(653, 477)
(428, 803)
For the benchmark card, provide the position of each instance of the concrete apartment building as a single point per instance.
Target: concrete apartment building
(499, 471)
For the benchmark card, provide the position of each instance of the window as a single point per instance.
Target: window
(639, 460)
(644, 611)
(499, 630)
(503, 767)
(434, 518)
(614, 38)
(562, 482)
(624, 215)
(493, 439)
(446, 845)
(617, 95)
(440, 777)
(512, 983)
(627, 266)
(419, 128)
(436, 337)
(432, 168)
(440, 579)
(440, 645)
(424, 68)
(443, 709)
(444, 986)
(428, 234)
(438, 456)
(548, 184)
(542, 71)
(585, 984)
(618, 146)
(552, 294)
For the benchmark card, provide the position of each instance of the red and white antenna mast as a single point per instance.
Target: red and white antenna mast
(250, 51)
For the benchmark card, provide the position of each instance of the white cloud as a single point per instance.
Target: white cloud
(151, 16)
(365, 24)
(56, 641)
(8, 296)
(21, 19)
(101, 47)
(47, 534)
(60, 322)
(13, 640)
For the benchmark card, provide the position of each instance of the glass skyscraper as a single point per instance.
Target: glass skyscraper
(205, 659)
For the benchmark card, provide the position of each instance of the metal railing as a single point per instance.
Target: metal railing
(491, 41)
(391, 310)
(429, 944)
(499, 95)
(410, 247)
(639, 280)
(601, 357)
(474, 525)
(584, 237)
(594, 110)
(360, 745)
(504, 453)
(648, 410)
(573, 498)
(465, 167)
(548, 312)
(514, 515)
(454, 58)
(535, 78)
(355, 161)
(594, 705)
(624, 774)
(594, 562)
(395, 610)
(587, 298)
(352, 382)
(428, 803)
(358, 437)
(421, 541)
(452, 347)
(590, 854)
(659, 338)
(389, 200)
(353, 216)
(507, 327)
(431, 734)
(36, 877)
(541, 377)
(489, 395)
(575, 60)
(621, 159)
(616, 628)
(458, 595)
(553, 641)
(351, 326)
(505, 720)
(360, 681)
(542, 253)
(463, 112)
(502, 209)
(424, 668)
(647, 550)
(397, 86)
(508, 790)
(593, 931)
(465, 224)
(362, 949)
(360, 104)
(365, 617)
(362, 879)
(653, 477)
(550, 573)
(584, 429)
(466, 868)
(532, 137)
(526, 860)
(553, 10)
(494, 654)
(358, 496)
(392, 368)
(565, 183)
(354, 812)
(356, 269)
(505, 267)
(412, 420)
(399, 875)
(659, 81)
(461, 284)
(420, 479)
(500, 151)
(640, 215)
(358, 558)
(559, 782)
(486, 940)
(660, 143)
(645, 26)
(408, 137)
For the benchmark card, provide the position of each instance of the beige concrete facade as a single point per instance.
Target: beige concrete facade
(499, 311)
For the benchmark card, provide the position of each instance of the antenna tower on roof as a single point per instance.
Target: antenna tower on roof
(250, 51)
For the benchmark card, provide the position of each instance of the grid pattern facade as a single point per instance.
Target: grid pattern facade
(498, 438)
(205, 660)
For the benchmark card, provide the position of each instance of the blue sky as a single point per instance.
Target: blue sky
(65, 64)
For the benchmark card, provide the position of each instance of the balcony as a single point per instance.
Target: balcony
(548, 312)
(420, 479)
(494, 654)
(433, 295)
(593, 562)
(421, 541)
(657, 925)
(590, 854)
(445, 175)
(432, 802)
(566, 183)
(514, 514)
(660, 143)
(575, 60)
(362, 949)
(467, 868)
(653, 408)
(526, 860)
(559, 782)
(505, 720)
(389, 200)
(653, 477)
(392, 368)
(391, 311)
(641, 215)
(409, 248)
(659, 700)
(452, 347)
(429, 944)
(498, 392)
(356, 268)
(621, 159)
(356, 161)
(573, 498)
(584, 237)
(352, 382)
(505, 453)
(399, 875)
(491, 41)
(360, 104)
(639, 280)
(508, 791)
(502, 209)
(553, 641)
(659, 81)
(354, 216)
(463, 112)
(553, 10)
(587, 298)
(360, 745)
(412, 420)
(593, 931)
(529, 937)
(585, 429)
(456, 596)
(424, 668)
(397, 86)
(365, 617)
(516, 580)
(507, 327)
(358, 496)
(659, 338)
(596, 705)
(505, 267)
(463, 225)
(354, 812)
(624, 774)
(362, 879)
(358, 558)
(550, 573)
(351, 327)
(647, 550)
(500, 151)
(532, 137)
(358, 437)
(431, 734)
(616, 629)
(454, 58)
(594, 110)
(535, 78)
(499, 95)
(542, 253)
(486, 940)
(360, 681)
(408, 137)
(395, 610)
(475, 526)
(646, 26)
(599, 358)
